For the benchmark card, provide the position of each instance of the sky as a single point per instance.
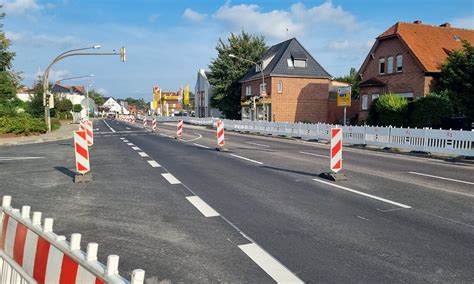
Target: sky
(168, 41)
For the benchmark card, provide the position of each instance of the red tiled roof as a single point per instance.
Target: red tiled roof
(429, 43)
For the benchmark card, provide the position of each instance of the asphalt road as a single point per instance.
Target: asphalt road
(269, 215)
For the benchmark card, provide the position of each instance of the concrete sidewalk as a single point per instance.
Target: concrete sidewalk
(64, 132)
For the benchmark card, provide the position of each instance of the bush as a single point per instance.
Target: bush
(77, 108)
(21, 124)
(430, 111)
(55, 124)
(391, 110)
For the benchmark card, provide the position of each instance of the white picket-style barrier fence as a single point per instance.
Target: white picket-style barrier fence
(452, 142)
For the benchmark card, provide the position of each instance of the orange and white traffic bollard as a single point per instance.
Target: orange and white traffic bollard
(82, 156)
(145, 122)
(220, 136)
(179, 129)
(154, 126)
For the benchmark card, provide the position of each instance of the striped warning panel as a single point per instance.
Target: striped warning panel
(220, 133)
(179, 130)
(81, 152)
(336, 149)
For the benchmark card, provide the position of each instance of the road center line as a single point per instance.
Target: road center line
(202, 146)
(257, 144)
(18, 158)
(364, 194)
(246, 159)
(154, 164)
(444, 178)
(121, 138)
(312, 154)
(111, 129)
(130, 144)
(125, 141)
(136, 148)
(202, 206)
(269, 264)
(143, 154)
(170, 178)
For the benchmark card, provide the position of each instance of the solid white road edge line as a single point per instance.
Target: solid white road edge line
(19, 158)
(170, 178)
(202, 146)
(194, 139)
(143, 154)
(135, 148)
(364, 194)
(111, 129)
(444, 178)
(269, 264)
(154, 164)
(202, 206)
(246, 159)
(312, 154)
(257, 144)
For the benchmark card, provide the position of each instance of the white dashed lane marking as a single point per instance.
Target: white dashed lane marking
(269, 264)
(130, 144)
(154, 164)
(247, 159)
(202, 206)
(202, 146)
(143, 154)
(258, 144)
(170, 178)
(313, 154)
(136, 148)
(443, 178)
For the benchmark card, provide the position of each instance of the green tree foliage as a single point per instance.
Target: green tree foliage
(430, 111)
(351, 79)
(97, 97)
(77, 108)
(140, 103)
(389, 109)
(64, 105)
(225, 71)
(457, 78)
(9, 80)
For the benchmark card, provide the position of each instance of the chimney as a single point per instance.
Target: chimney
(417, 22)
(445, 25)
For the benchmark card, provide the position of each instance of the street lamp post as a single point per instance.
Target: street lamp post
(263, 90)
(69, 53)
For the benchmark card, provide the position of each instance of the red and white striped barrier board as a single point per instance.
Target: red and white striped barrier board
(82, 152)
(153, 124)
(179, 130)
(336, 149)
(82, 125)
(220, 133)
(89, 132)
(145, 122)
(49, 258)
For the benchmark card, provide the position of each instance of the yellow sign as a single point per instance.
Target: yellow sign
(344, 96)
(171, 98)
(186, 95)
(155, 104)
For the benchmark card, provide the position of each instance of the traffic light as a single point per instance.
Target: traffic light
(123, 56)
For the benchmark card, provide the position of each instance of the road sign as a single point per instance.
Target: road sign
(336, 149)
(156, 90)
(344, 96)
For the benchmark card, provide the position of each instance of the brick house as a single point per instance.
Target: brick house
(298, 87)
(406, 60)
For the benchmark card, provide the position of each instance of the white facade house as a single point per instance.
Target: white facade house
(115, 107)
(76, 95)
(202, 97)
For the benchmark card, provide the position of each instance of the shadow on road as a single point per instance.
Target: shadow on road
(66, 171)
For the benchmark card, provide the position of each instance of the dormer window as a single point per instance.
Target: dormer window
(299, 59)
(290, 63)
(258, 67)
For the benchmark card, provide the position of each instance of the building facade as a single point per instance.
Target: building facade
(202, 97)
(406, 60)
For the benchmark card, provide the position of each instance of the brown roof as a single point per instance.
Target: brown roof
(429, 44)
(77, 89)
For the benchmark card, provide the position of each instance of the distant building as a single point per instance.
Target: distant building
(297, 88)
(77, 95)
(406, 60)
(202, 97)
(114, 106)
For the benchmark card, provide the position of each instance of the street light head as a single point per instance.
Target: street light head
(91, 75)
(96, 46)
(232, 56)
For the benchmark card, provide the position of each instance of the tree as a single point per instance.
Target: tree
(225, 71)
(140, 103)
(97, 97)
(389, 109)
(430, 111)
(64, 105)
(9, 80)
(351, 79)
(457, 78)
(77, 108)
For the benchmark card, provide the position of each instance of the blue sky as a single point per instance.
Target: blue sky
(168, 41)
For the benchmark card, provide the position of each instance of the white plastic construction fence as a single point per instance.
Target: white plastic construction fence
(452, 142)
(32, 253)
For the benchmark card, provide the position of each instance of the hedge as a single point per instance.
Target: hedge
(21, 124)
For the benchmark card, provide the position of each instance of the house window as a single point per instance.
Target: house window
(365, 102)
(300, 63)
(280, 86)
(248, 90)
(390, 65)
(399, 63)
(290, 63)
(382, 66)
(263, 87)
(375, 96)
(258, 68)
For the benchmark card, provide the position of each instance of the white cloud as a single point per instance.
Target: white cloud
(466, 22)
(40, 39)
(347, 45)
(281, 24)
(19, 7)
(193, 15)
(55, 75)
